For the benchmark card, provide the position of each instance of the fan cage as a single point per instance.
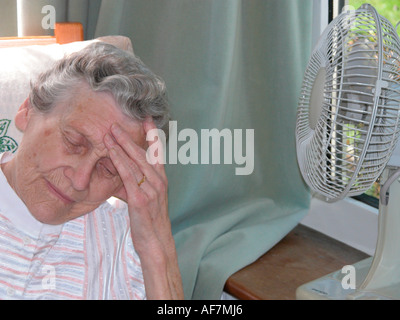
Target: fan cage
(345, 151)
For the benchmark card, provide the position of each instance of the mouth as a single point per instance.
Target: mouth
(60, 195)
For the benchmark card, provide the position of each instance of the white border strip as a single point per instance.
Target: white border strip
(349, 221)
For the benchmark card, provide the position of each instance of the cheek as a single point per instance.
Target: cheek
(114, 185)
(102, 189)
(45, 159)
(40, 162)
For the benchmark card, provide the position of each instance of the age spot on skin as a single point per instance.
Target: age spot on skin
(47, 132)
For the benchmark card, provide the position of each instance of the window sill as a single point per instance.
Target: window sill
(330, 236)
(349, 221)
(302, 256)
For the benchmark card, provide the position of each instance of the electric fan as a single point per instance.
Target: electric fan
(346, 137)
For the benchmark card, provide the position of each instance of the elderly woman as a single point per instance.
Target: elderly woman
(84, 139)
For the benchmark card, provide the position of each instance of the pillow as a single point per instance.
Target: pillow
(19, 65)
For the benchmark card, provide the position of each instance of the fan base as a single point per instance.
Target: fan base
(334, 287)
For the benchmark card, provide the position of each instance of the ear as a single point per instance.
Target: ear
(22, 116)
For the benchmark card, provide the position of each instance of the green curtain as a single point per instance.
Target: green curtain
(227, 64)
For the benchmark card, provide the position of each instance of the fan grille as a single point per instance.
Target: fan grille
(346, 149)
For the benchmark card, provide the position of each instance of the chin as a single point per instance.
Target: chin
(49, 213)
(49, 218)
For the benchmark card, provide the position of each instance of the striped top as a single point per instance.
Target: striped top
(91, 257)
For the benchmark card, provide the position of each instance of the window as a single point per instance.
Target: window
(8, 19)
(335, 7)
(30, 18)
(390, 9)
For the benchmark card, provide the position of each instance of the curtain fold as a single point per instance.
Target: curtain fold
(227, 64)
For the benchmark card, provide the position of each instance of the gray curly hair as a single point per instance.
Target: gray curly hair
(137, 90)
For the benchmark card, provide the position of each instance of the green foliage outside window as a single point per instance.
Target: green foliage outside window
(390, 9)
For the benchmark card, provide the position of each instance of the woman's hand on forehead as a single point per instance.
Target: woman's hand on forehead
(145, 191)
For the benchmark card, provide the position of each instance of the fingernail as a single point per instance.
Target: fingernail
(116, 129)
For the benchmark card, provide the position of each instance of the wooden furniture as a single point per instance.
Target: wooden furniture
(302, 256)
(68, 32)
(64, 32)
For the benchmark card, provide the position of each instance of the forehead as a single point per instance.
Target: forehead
(93, 113)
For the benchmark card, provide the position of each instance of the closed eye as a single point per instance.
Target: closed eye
(72, 146)
(74, 142)
(106, 168)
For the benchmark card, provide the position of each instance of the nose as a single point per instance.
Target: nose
(80, 175)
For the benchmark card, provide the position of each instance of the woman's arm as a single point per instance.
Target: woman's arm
(145, 191)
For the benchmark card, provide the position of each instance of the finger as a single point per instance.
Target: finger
(156, 181)
(139, 195)
(126, 142)
(133, 178)
(129, 176)
(156, 138)
(136, 153)
(121, 158)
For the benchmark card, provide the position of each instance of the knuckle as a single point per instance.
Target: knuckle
(160, 186)
(142, 201)
(153, 195)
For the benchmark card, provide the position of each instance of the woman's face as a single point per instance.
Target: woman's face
(62, 169)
